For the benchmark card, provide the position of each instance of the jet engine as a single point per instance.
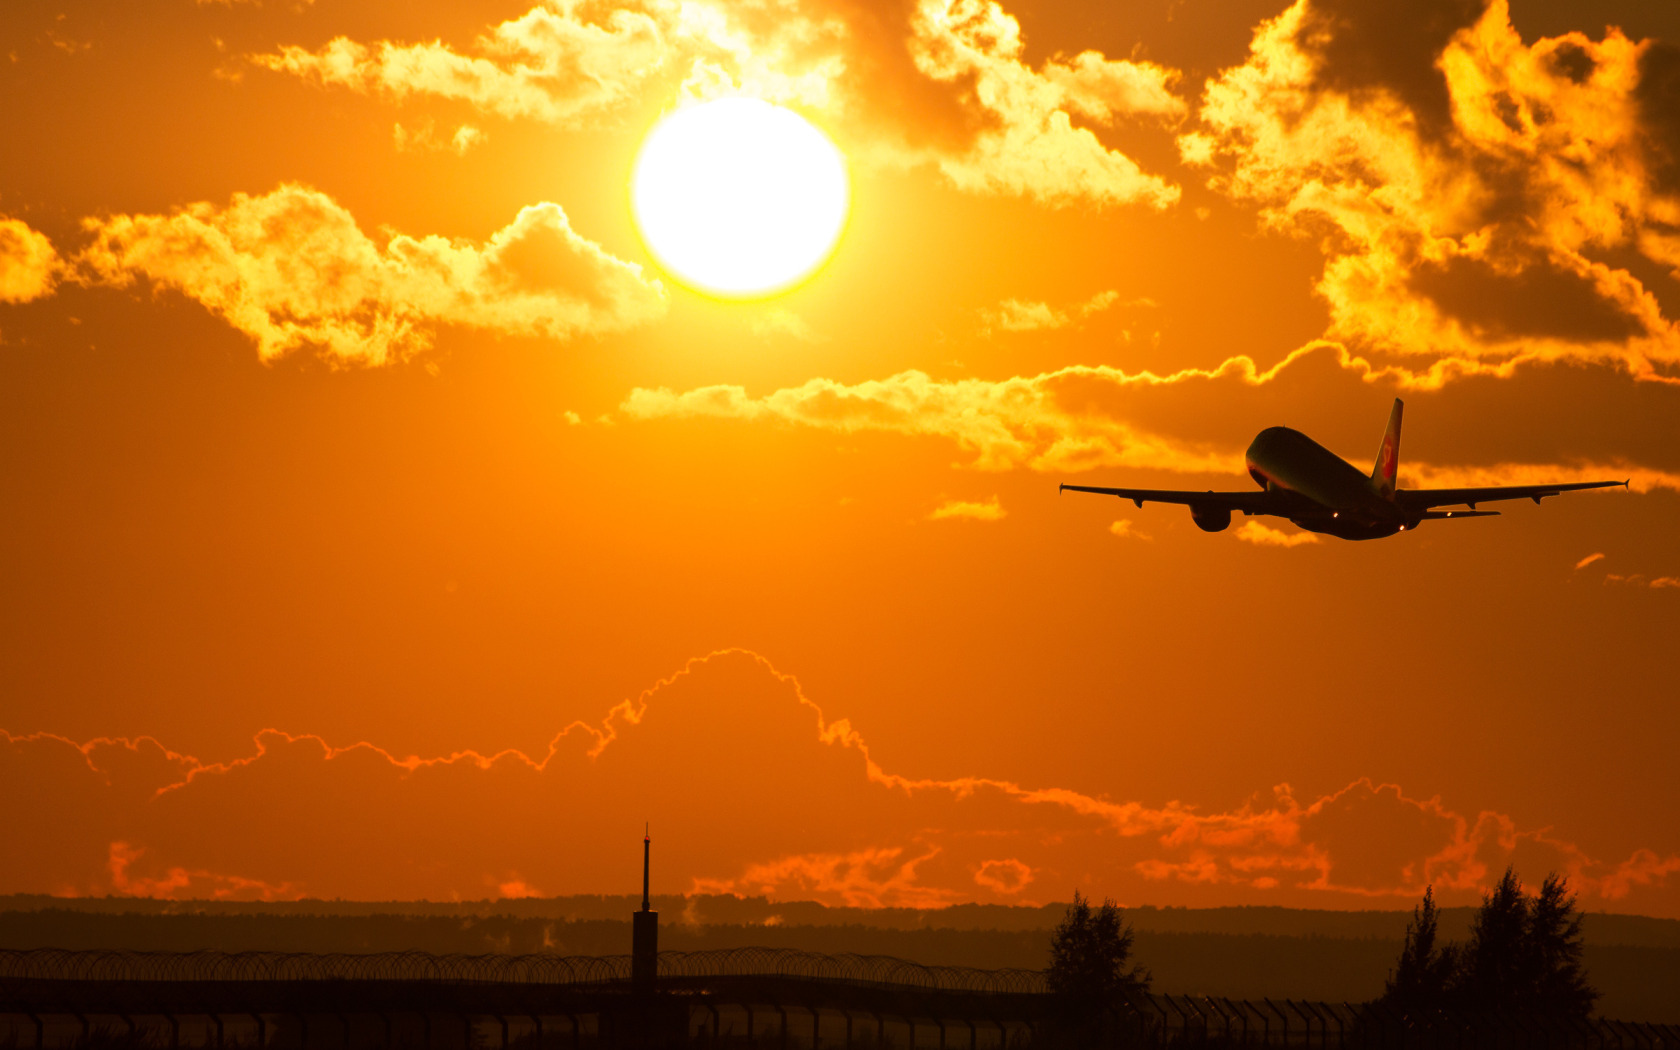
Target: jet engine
(1211, 519)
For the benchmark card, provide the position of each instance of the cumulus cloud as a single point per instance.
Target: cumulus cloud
(1070, 419)
(1045, 421)
(29, 265)
(941, 82)
(1032, 147)
(291, 269)
(1023, 315)
(298, 815)
(970, 510)
(1265, 536)
(1466, 187)
(553, 63)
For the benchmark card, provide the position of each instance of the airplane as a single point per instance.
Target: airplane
(1320, 491)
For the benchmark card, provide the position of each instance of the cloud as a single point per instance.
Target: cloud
(937, 82)
(29, 265)
(552, 64)
(180, 882)
(1266, 536)
(298, 815)
(424, 138)
(1071, 419)
(1007, 876)
(1017, 315)
(990, 510)
(1641, 580)
(291, 269)
(1126, 530)
(1467, 188)
(1588, 560)
(783, 324)
(1031, 146)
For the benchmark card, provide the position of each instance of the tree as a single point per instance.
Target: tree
(1555, 940)
(1498, 970)
(1420, 980)
(1089, 951)
(1523, 954)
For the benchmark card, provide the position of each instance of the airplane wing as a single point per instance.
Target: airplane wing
(1253, 502)
(1420, 499)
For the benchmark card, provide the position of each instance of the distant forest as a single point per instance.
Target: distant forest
(1237, 952)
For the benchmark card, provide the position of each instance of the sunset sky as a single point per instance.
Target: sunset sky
(383, 520)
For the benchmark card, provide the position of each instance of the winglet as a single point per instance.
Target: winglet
(1060, 487)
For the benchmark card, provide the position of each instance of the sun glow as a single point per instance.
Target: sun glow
(738, 197)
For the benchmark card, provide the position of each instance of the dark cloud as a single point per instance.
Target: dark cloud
(1538, 300)
(1573, 62)
(1366, 46)
(1658, 95)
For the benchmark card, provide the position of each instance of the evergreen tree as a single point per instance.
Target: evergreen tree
(1555, 938)
(1419, 981)
(1089, 952)
(1497, 971)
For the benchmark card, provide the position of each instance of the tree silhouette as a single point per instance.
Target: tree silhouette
(1420, 980)
(1089, 951)
(1523, 955)
(1498, 971)
(1555, 940)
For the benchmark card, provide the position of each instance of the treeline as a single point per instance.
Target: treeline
(728, 910)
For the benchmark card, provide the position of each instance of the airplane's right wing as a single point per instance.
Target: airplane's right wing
(1253, 502)
(1418, 499)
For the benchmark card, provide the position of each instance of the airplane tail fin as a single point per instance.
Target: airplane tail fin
(1388, 456)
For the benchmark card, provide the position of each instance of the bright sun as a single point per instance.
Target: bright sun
(738, 197)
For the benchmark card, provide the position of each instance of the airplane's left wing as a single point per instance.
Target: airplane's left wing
(1422, 499)
(1256, 502)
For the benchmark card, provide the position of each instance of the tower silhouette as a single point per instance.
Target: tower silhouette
(644, 931)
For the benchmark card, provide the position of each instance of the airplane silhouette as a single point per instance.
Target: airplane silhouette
(1321, 492)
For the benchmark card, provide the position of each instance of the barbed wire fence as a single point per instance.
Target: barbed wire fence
(1015, 1002)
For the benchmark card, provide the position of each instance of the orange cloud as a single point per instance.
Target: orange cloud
(1265, 536)
(1466, 186)
(29, 265)
(1126, 530)
(1588, 560)
(1018, 315)
(180, 882)
(553, 63)
(299, 815)
(941, 82)
(1004, 876)
(1066, 420)
(1032, 147)
(291, 269)
(990, 510)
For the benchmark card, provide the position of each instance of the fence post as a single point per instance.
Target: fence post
(1282, 1017)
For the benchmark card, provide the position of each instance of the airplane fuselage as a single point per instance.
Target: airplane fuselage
(1335, 497)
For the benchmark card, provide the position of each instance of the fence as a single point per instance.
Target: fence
(740, 996)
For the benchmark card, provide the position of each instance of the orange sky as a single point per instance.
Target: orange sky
(381, 522)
